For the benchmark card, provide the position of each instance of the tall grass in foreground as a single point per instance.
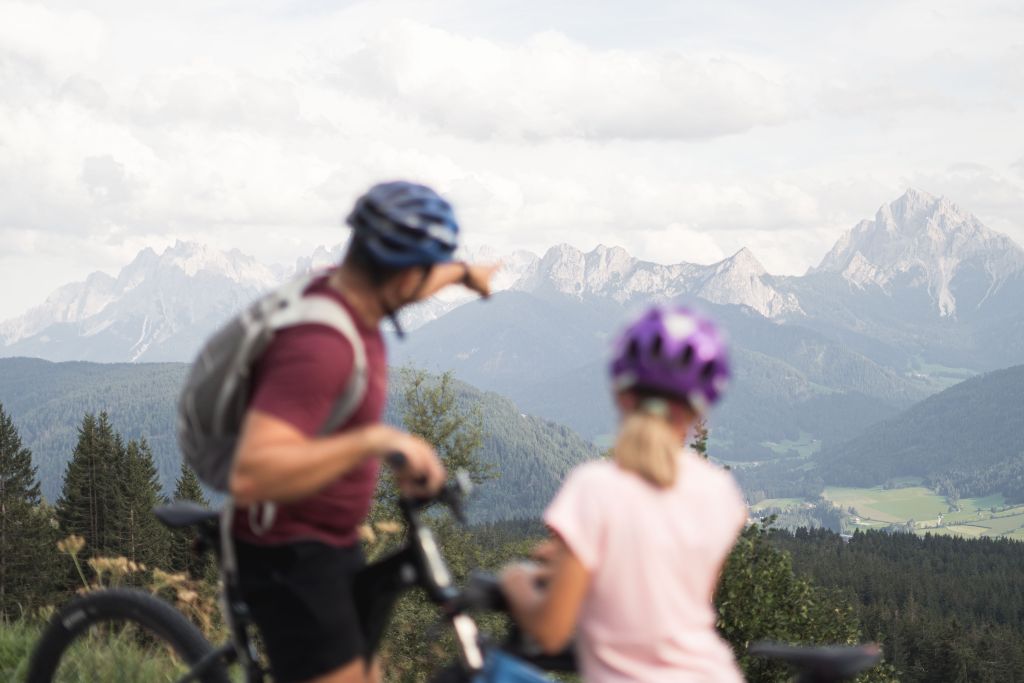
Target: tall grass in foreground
(104, 656)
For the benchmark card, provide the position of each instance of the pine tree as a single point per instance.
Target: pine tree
(136, 533)
(431, 410)
(182, 557)
(188, 486)
(26, 539)
(90, 496)
(700, 438)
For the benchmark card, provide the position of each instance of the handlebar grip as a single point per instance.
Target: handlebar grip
(483, 591)
(398, 461)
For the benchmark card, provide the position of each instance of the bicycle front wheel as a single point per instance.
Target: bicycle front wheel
(120, 634)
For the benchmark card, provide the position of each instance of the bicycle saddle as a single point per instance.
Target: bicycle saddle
(832, 662)
(184, 513)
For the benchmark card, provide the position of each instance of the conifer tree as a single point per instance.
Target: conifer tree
(182, 558)
(188, 487)
(431, 410)
(90, 496)
(26, 539)
(136, 533)
(700, 438)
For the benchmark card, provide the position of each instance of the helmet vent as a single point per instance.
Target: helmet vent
(656, 345)
(708, 371)
(687, 356)
(633, 350)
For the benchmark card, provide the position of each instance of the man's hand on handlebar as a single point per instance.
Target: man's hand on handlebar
(419, 473)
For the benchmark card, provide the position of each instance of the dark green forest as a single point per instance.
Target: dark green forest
(966, 441)
(969, 434)
(944, 608)
(47, 401)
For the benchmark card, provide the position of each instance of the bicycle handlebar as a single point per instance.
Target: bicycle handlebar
(452, 494)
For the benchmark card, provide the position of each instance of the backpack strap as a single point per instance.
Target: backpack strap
(287, 307)
(318, 309)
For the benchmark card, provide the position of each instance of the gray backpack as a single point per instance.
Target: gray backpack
(214, 400)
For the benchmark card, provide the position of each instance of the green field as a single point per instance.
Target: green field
(1001, 524)
(895, 506)
(805, 446)
(941, 376)
(781, 503)
(880, 507)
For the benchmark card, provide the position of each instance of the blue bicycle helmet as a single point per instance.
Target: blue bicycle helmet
(402, 224)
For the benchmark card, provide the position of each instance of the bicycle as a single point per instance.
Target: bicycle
(419, 562)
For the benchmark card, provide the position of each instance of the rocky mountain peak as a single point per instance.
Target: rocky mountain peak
(740, 279)
(743, 261)
(926, 240)
(192, 258)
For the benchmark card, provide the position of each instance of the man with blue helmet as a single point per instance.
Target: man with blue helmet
(296, 572)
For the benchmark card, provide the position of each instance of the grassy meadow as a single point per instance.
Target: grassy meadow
(877, 507)
(104, 657)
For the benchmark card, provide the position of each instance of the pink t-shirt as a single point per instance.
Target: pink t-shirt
(654, 556)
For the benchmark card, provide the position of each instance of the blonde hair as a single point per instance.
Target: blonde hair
(647, 445)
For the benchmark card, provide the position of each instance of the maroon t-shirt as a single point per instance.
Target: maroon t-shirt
(298, 379)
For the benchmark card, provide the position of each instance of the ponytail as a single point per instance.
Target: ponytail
(647, 445)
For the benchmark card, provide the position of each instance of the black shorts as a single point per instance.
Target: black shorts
(301, 600)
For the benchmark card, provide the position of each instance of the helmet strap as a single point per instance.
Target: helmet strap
(392, 313)
(393, 317)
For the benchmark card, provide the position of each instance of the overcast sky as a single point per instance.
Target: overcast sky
(681, 131)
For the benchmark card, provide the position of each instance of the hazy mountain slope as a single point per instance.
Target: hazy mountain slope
(967, 428)
(929, 244)
(549, 354)
(926, 277)
(512, 340)
(47, 402)
(160, 307)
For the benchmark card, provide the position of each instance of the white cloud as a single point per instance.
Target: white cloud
(551, 86)
(688, 134)
(674, 244)
(997, 198)
(56, 43)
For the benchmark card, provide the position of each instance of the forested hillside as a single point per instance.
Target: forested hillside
(967, 440)
(48, 400)
(944, 609)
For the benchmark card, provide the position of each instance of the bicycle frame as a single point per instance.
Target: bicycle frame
(418, 562)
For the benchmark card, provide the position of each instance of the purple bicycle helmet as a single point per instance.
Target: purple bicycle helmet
(676, 352)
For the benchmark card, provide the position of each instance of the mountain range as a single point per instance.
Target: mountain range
(904, 305)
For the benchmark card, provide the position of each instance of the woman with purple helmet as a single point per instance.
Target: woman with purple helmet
(639, 539)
